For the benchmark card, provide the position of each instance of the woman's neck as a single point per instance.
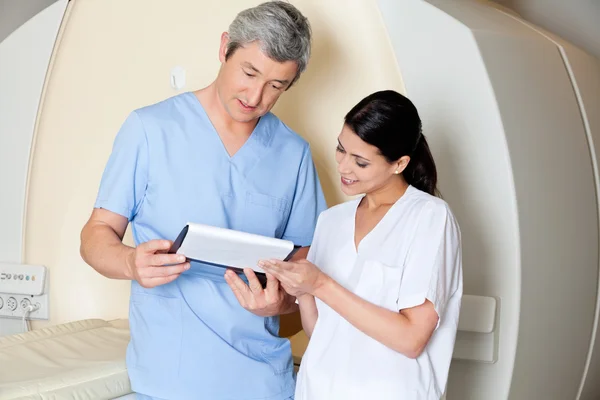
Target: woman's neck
(385, 196)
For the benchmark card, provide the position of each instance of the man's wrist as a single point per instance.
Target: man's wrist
(288, 305)
(129, 262)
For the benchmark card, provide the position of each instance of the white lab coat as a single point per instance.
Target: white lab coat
(411, 255)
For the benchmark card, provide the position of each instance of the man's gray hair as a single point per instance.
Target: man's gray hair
(283, 32)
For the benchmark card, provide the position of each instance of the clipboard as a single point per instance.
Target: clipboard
(231, 249)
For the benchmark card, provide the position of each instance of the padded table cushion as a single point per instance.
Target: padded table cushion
(78, 360)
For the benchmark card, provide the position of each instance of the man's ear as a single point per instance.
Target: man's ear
(223, 46)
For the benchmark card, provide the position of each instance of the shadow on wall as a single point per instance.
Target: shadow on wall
(454, 188)
(297, 109)
(456, 180)
(308, 105)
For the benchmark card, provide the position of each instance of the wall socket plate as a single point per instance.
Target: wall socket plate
(21, 285)
(12, 306)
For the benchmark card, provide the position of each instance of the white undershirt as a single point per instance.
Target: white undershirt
(411, 255)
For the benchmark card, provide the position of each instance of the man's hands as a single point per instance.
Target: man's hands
(150, 266)
(262, 302)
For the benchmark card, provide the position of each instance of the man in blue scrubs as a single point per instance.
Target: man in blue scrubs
(219, 157)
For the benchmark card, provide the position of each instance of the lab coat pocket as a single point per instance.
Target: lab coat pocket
(156, 333)
(264, 214)
(379, 283)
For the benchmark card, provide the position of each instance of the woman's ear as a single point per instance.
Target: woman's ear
(401, 164)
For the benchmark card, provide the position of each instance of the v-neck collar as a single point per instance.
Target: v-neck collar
(260, 136)
(377, 226)
(251, 151)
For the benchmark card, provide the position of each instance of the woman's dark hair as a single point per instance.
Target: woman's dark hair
(390, 121)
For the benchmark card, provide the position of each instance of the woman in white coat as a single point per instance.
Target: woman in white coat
(380, 291)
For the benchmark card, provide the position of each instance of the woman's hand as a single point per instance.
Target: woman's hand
(297, 278)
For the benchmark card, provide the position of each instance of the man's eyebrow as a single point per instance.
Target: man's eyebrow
(253, 68)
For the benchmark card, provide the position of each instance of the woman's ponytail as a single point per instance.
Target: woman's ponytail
(421, 171)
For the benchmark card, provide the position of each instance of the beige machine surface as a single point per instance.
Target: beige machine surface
(511, 113)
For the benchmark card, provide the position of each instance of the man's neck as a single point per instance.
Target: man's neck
(233, 134)
(220, 118)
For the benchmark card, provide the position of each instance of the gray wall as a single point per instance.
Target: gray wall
(14, 13)
(577, 21)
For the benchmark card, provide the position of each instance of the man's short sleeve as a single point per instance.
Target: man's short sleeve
(307, 204)
(433, 264)
(125, 176)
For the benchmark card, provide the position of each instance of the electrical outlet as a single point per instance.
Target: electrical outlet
(20, 286)
(14, 305)
(11, 304)
(24, 303)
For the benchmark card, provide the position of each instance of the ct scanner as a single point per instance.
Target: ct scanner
(512, 113)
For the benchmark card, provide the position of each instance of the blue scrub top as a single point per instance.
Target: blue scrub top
(191, 339)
